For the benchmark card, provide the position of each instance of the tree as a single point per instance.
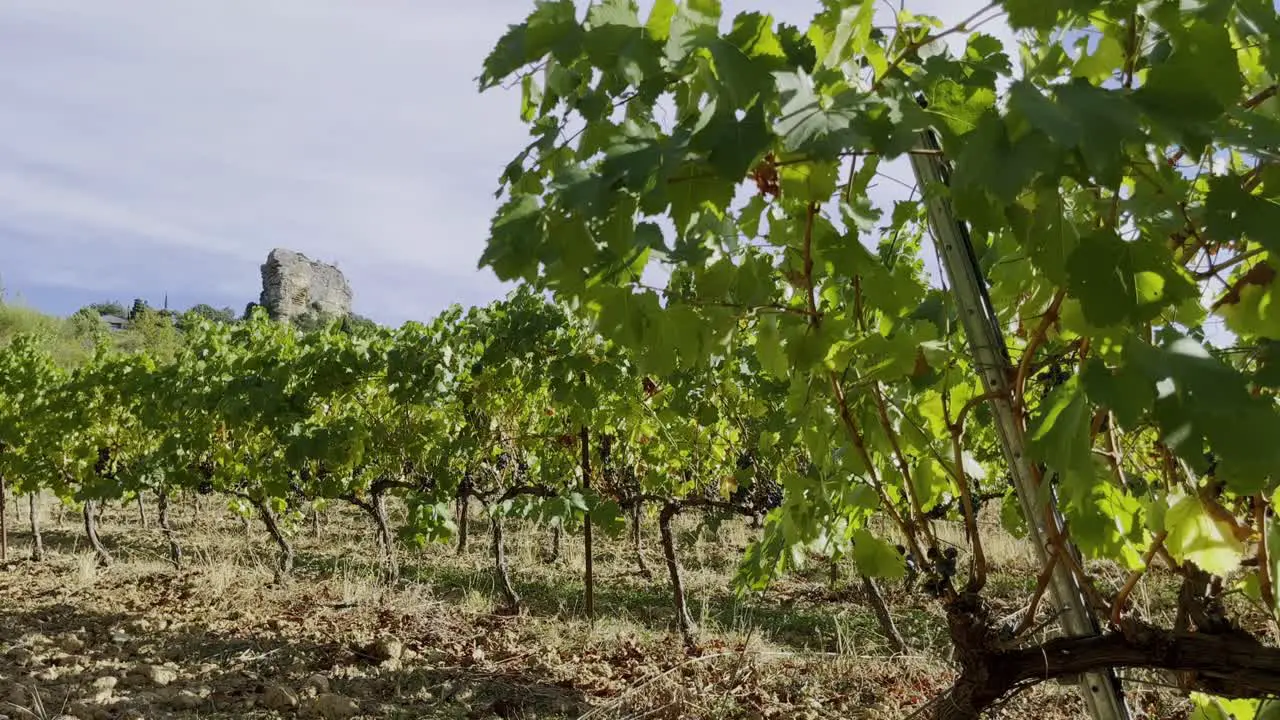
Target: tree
(152, 332)
(108, 308)
(204, 310)
(1094, 253)
(139, 306)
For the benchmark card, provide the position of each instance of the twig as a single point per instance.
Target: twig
(1033, 343)
(1042, 584)
(1265, 586)
(1117, 607)
(959, 27)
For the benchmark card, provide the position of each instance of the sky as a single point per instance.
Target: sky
(153, 148)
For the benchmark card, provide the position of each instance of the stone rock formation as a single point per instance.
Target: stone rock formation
(294, 285)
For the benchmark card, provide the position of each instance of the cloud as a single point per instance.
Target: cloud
(152, 146)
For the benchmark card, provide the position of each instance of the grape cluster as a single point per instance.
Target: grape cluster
(944, 569)
(913, 568)
(1211, 461)
(1054, 375)
(766, 176)
(759, 494)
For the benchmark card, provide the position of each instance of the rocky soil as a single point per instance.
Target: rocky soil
(220, 640)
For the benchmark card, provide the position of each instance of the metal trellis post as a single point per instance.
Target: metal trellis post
(1101, 689)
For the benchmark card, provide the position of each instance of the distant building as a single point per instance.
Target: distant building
(115, 322)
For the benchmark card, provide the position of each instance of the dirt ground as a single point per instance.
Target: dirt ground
(221, 640)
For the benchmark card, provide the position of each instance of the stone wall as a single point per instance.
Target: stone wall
(293, 285)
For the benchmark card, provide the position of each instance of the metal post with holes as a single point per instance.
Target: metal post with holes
(1101, 690)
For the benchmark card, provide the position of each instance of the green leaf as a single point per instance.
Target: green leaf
(773, 357)
(694, 25)
(1197, 536)
(1012, 519)
(1060, 429)
(1232, 213)
(1123, 391)
(806, 124)
(733, 145)
(659, 23)
(1040, 14)
(1101, 275)
(876, 558)
(852, 33)
(810, 181)
(1197, 82)
(551, 27)
(515, 239)
(1199, 398)
(991, 164)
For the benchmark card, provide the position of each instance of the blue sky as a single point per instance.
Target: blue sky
(152, 147)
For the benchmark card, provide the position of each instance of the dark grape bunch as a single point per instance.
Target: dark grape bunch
(760, 494)
(944, 569)
(1054, 375)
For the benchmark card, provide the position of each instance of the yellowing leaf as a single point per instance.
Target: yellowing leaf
(1196, 536)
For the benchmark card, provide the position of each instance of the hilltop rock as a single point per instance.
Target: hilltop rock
(294, 285)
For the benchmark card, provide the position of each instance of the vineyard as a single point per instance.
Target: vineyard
(1014, 436)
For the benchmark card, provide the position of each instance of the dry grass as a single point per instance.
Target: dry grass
(802, 650)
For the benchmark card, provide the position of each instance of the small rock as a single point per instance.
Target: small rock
(20, 656)
(138, 627)
(70, 643)
(319, 682)
(279, 697)
(87, 711)
(60, 658)
(156, 674)
(334, 707)
(185, 700)
(388, 649)
(47, 675)
(101, 696)
(106, 682)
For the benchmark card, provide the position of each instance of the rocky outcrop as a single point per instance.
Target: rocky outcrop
(294, 285)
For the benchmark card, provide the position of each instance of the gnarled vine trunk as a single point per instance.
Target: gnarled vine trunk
(637, 514)
(91, 530)
(688, 628)
(588, 576)
(33, 513)
(464, 501)
(554, 554)
(377, 507)
(142, 512)
(1228, 664)
(881, 609)
(4, 519)
(175, 547)
(501, 572)
(284, 565)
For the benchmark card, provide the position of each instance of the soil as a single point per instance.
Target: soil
(221, 639)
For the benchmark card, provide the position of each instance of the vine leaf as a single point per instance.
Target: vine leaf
(1101, 274)
(1060, 435)
(552, 27)
(1197, 536)
(1231, 213)
(805, 124)
(875, 557)
(1197, 82)
(1199, 398)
